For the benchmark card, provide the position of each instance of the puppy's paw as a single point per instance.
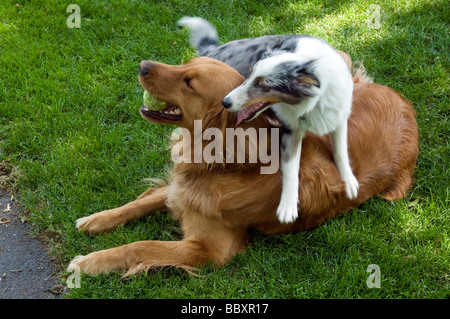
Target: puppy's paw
(287, 211)
(351, 187)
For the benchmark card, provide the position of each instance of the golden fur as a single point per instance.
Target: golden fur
(216, 204)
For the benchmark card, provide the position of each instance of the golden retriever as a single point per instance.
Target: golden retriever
(217, 204)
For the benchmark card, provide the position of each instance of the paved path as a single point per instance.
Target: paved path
(26, 271)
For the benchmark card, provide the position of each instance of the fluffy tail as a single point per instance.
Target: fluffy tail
(360, 74)
(203, 35)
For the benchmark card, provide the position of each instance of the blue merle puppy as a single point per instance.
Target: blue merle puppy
(303, 80)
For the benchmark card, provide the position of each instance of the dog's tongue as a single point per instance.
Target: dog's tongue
(242, 115)
(248, 112)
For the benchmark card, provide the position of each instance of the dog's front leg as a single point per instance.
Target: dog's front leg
(340, 154)
(205, 240)
(140, 256)
(154, 200)
(291, 148)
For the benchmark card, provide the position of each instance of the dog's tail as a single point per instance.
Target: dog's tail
(359, 74)
(203, 35)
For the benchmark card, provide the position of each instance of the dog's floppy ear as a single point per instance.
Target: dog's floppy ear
(297, 78)
(305, 80)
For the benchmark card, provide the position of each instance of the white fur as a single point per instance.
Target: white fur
(200, 29)
(325, 112)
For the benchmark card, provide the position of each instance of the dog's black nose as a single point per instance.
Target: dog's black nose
(144, 67)
(226, 102)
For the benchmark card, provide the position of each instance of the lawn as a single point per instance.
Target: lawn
(73, 143)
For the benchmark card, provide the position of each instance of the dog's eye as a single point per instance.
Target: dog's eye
(259, 83)
(188, 83)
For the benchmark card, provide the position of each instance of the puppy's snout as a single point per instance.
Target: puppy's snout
(144, 67)
(226, 102)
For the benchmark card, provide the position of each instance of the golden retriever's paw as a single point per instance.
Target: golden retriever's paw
(78, 264)
(91, 264)
(73, 265)
(96, 223)
(287, 211)
(88, 225)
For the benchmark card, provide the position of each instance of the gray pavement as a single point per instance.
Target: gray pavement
(26, 271)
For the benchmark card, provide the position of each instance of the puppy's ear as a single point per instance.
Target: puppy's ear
(305, 81)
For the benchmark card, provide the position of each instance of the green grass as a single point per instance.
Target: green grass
(71, 135)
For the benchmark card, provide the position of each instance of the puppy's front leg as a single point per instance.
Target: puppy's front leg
(291, 148)
(340, 154)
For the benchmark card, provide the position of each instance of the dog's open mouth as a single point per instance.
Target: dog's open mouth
(170, 113)
(252, 111)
